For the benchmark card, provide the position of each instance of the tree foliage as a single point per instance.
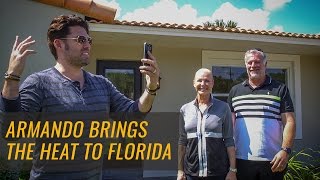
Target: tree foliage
(220, 23)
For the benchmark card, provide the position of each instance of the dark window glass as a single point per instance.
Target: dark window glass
(278, 74)
(123, 79)
(225, 77)
(125, 75)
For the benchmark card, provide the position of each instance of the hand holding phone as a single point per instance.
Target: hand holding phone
(152, 70)
(147, 47)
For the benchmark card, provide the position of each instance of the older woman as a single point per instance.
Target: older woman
(206, 147)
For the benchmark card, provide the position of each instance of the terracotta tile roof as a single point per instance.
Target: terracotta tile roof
(202, 28)
(86, 7)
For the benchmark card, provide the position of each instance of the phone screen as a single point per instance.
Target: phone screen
(146, 47)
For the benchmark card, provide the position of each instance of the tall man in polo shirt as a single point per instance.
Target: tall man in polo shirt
(66, 87)
(264, 121)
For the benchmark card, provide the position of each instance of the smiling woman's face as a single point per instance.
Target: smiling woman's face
(203, 82)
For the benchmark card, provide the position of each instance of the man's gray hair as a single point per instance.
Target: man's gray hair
(255, 51)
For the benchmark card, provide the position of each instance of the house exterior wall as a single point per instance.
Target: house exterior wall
(24, 18)
(177, 70)
(310, 102)
(177, 65)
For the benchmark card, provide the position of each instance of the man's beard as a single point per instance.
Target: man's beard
(76, 61)
(255, 75)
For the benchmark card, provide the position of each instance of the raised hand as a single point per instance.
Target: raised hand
(19, 53)
(151, 71)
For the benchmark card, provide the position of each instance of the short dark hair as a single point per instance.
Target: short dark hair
(59, 28)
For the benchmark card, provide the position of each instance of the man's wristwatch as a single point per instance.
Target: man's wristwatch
(286, 149)
(233, 170)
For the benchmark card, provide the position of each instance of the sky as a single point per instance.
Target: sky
(295, 16)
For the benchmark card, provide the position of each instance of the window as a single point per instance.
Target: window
(229, 69)
(125, 75)
(225, 77)
(123, 79)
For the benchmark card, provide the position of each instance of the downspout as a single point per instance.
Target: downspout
(86, 7)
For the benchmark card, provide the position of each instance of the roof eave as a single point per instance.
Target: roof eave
(89, 8)
(201, 34)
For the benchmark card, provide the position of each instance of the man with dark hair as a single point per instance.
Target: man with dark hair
(264, 121)
(66, 87)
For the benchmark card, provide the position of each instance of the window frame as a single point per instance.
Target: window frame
(284, 61)
(121, 64)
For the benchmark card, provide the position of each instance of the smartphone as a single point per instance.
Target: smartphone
(146, 47)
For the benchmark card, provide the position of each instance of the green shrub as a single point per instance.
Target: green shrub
(304, 165)
(14, 170)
